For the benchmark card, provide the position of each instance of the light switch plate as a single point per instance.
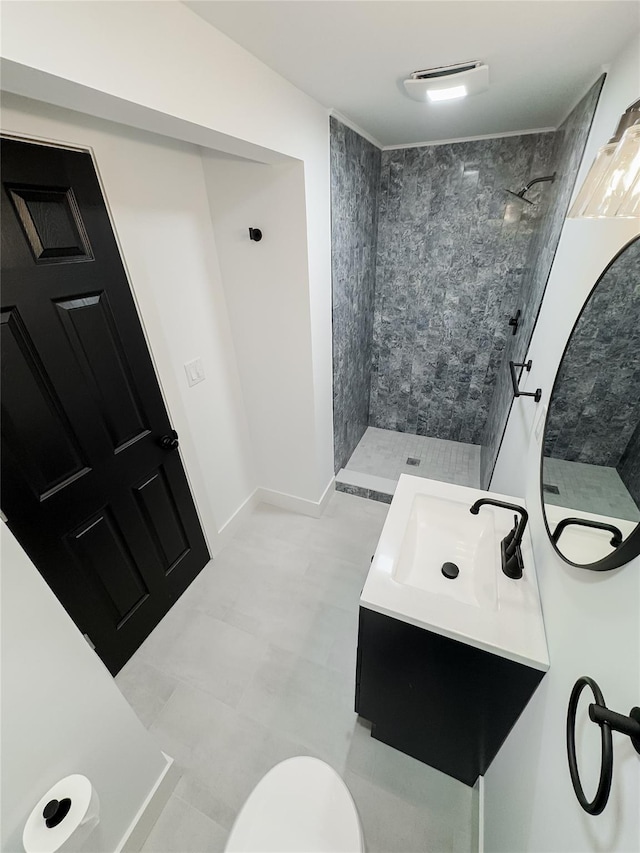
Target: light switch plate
(195, 371)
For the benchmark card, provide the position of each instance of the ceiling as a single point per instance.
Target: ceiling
(352, 55)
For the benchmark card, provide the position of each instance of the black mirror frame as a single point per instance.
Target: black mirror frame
(630, 547)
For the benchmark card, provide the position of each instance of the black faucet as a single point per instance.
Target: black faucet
(616, 539)
(510, 552)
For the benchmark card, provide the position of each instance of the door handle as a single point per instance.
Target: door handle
(169, 441)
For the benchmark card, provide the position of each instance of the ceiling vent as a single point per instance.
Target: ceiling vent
(448, 82)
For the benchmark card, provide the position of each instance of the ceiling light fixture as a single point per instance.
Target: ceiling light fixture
(449, 94)
(448, 82)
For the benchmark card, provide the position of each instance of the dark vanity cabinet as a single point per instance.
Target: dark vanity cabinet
(441, 701)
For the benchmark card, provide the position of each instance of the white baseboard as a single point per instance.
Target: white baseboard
(296, 504)
(233, 524)
(271, 496)
(149, 811)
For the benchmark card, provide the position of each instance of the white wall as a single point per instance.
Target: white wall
(158, 201)
(269, 310)
(62, 713)
(592, 619)
(158, 66)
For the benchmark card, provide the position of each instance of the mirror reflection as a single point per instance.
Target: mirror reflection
(591, 448)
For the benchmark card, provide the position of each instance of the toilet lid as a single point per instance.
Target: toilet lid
(300, 806)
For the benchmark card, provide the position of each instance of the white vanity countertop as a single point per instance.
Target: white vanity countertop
(504, 617)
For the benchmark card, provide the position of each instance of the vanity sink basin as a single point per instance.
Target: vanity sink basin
(442, 531)
(428, 525)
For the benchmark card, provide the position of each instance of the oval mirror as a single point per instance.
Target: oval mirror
(590, 469)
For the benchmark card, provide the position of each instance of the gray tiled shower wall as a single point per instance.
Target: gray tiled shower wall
(451, 250)
(569, 143)
(454, 257)
(594, 415)
(355, 173)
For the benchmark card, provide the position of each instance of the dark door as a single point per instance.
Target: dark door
(99, 502)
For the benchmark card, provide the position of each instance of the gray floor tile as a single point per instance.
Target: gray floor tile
(222, 752)
(183, 829)
(256, 663)
(391, 825)
(338, 582)
(404, 777)
(145, 688)
(206, 653)
(310, 703)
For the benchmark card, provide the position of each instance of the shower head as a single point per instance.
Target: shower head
(522, 194)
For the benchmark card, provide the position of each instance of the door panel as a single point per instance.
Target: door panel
(104, 511)
(51, 223)
(100, 545)
(93, 338)
(39, 433)
(162, 519)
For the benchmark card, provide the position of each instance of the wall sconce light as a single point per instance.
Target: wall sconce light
(612, 186)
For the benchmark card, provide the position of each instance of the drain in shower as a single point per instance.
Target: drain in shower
(550, 489)
(413, 461)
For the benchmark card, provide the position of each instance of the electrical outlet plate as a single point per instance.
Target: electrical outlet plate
(195, 371)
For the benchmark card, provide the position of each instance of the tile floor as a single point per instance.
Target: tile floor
(384, 453)
(592, 488)
(255, 664)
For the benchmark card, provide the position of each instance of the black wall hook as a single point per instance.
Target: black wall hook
(255, 234)
(608, 721)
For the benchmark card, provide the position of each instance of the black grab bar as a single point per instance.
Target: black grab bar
(537, 394)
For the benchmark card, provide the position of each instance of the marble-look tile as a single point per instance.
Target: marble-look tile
(355, 171)
(449, 255)
(594, 413)
(568, 147)
(454, 258)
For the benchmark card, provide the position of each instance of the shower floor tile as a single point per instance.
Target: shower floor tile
(592, 488)
(385, 453)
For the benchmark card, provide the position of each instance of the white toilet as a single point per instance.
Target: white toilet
(300, 806)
